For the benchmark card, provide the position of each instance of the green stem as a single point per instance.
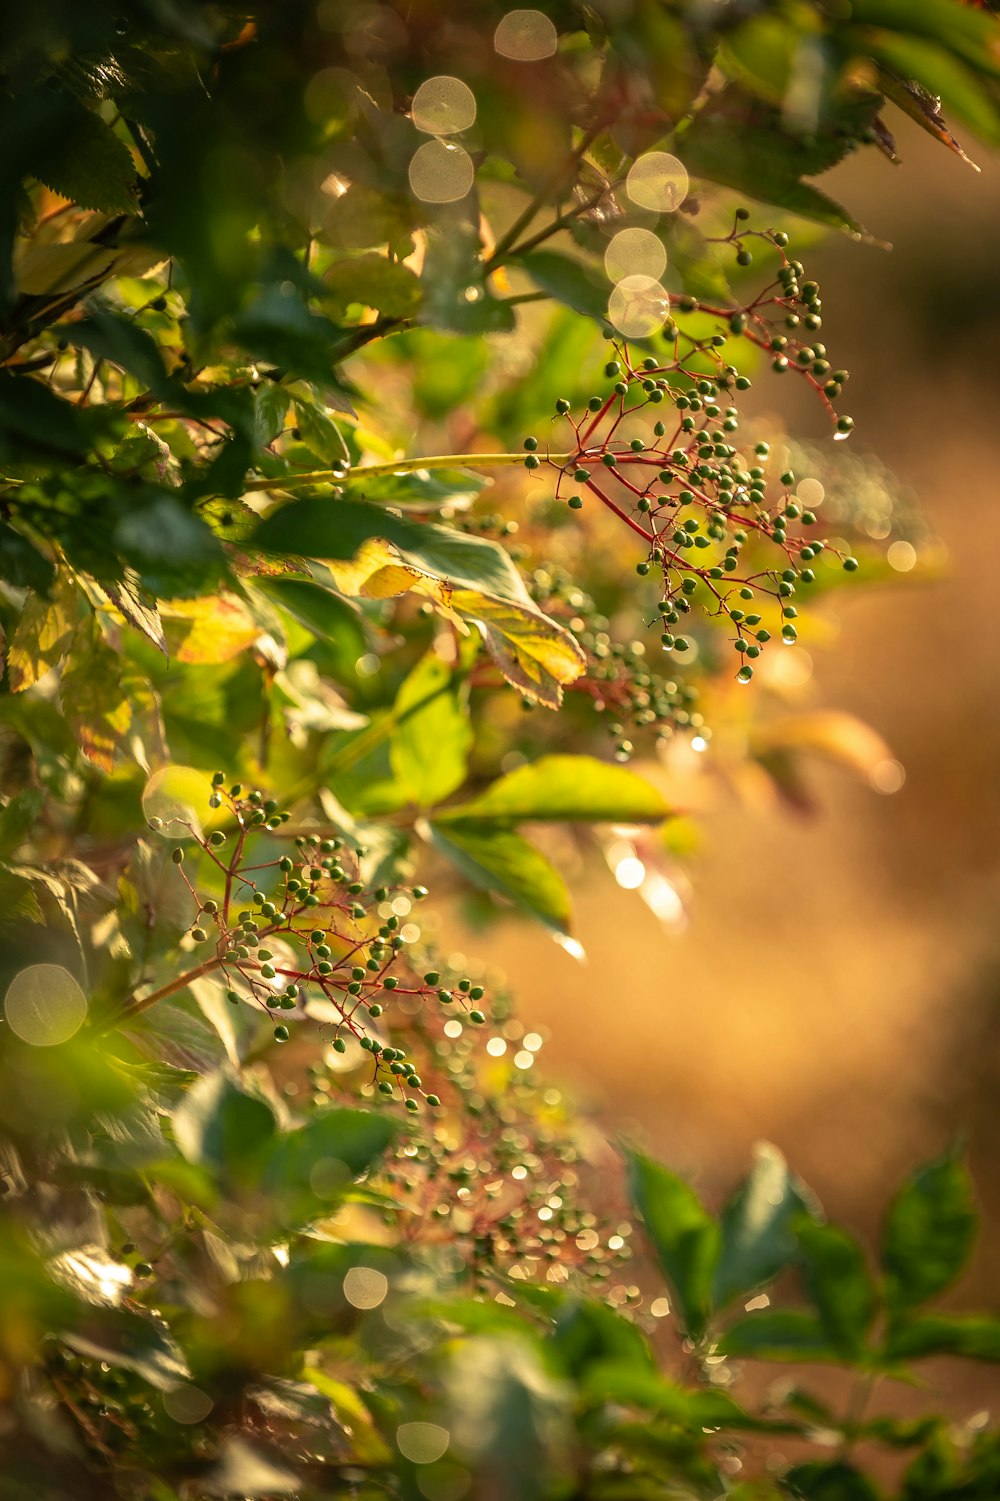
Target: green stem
(399, 466)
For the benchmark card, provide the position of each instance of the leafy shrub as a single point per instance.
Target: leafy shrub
(287, 1208)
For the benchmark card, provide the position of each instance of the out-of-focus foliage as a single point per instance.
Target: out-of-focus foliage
(369, 375)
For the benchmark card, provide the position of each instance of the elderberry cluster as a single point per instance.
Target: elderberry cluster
(302, 928)
(722, 530)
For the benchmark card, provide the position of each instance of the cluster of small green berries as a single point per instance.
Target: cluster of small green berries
(621, 683)
(710, 514)
(306, 924)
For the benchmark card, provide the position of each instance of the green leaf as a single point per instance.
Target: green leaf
(684, 1237)
(430, 745)
(839, 1284)
(929, 1233)
(320, 433)
(564, 788)
(580, 287)
(976, 1338)
(307, 1171)
(337, 529)
(534, 654)
(745, 144)
(970, 33)
(41, 638)
(587, 1332)
(836, 1481)
(95, 699)
(502, 862)
(757, 1227)
(136, 1342)
(88, 163)
(373, 281)
(943, 76)
(173, 552)
(21, 564)
(779, 1334)
(220, 1126)
(18, 817)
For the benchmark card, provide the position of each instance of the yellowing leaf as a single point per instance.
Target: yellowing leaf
(41, 638)
(214, 629)
(96, 704)
(534, 654)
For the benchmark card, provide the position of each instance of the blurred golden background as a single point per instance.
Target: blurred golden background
(833, 987)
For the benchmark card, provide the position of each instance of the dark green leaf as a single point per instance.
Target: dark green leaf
(88, 163)
(581, 287)
(21, 564)
(684, 1237)
(218, 1125)
(745, 144)
(17, 819)
(836, 1481)
(944, 1334)
(839, 1284)
(929, 1232)
(779, 1334)
(307, 1171)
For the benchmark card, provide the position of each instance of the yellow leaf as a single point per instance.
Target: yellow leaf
(535, 654)
(214, 629)
(42, 636)
(96, 704)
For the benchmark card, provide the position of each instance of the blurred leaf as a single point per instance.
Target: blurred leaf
(564, 788)
(95, 700)
(836, 1481)
(41, 637)
(214, 629)
(307, 1170)
(779, 1334)
(839, 1284)
(744, 144)
(943, 1334)
(219, 1126)
(683, 1234)
(757, 1227)
(21, 564)
(501, 861)
(582, 288)
(587, 1333)
(17, 818)
(943, 76)
(390, 288)
(243, 1469)
(432, 737)
(929, 1233)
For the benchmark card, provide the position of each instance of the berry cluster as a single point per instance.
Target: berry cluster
(722, 531)
(294, 929)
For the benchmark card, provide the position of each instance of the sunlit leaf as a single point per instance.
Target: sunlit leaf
(501, 861)
(577, 788)
(433, 735)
